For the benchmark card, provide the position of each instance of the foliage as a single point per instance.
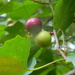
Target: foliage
(18, 50)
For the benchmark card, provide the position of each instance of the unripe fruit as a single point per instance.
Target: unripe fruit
(43, 39)
(9, 20)
(34, 25)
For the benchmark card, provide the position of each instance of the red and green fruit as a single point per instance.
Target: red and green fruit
(34, 25)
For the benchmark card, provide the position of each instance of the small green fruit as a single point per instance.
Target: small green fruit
(43, 39)
(9, 20)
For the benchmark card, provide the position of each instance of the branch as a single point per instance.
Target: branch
(58, 46)
(51, 6)
(57, 42)
(52, 33)
(40, 2)
(73, 37)
(44, 65)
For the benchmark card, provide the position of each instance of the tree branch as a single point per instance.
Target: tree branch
(40, 2)
(58, 46)
(73, 37)
(51, 6)
(57, 42)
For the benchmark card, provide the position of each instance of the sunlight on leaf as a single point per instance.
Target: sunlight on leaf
(14, 55)
(71, 58)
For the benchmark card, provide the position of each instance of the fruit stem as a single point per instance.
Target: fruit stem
(44, 65)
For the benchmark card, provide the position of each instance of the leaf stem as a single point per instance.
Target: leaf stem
(44, 65)
(52, 9)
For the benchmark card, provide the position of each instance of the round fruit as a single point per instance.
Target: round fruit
(9, 20)
(34, 25)
(43, 39)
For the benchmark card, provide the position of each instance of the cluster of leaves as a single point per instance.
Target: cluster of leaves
(19, 52)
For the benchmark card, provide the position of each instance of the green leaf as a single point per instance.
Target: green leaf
(14, 56)
(9, 7)
(48, 28)
(3, 2)
(44, 57)
(17, 29)
(26, 10)
(71, 58)
(63, 15)
(2, 31)
(34, 48)
(31, 64)
(45, 12)
(20, 1)
(62, 67)
(38, 53)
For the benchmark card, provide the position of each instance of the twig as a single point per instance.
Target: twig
(51, 6)
(73, 37)
(51, 33)
(44, 65)
(58, 46)
(57, 42)
(40, 2)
